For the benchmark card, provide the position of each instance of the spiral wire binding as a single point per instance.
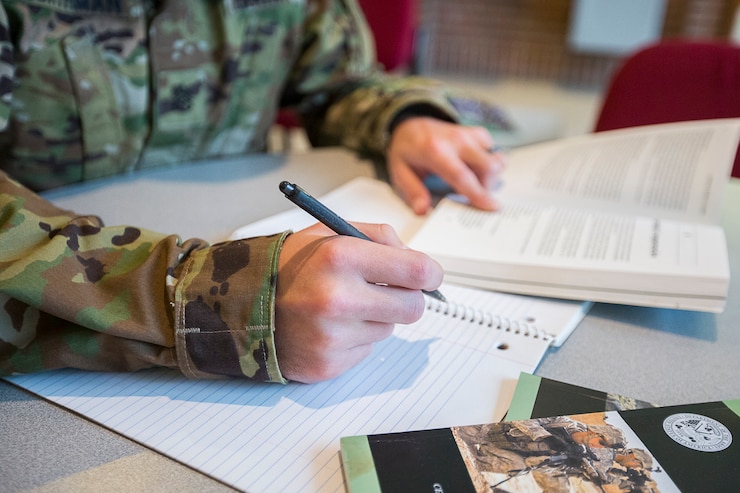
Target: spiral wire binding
(487, 319)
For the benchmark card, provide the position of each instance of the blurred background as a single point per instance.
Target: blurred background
(546, 63)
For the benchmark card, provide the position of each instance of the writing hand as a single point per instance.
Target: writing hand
(459, 155)
(338, 295)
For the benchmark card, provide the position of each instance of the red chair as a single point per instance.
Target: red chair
(674, 80)
(393, 25)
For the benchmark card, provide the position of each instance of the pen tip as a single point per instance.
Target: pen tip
(436, 295)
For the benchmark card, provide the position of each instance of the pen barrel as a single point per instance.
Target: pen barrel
(337, 224)
(326, 216)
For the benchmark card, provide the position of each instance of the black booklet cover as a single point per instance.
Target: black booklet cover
(687, 448)
(540, 397)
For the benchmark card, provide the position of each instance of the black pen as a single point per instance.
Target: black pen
(308, 203)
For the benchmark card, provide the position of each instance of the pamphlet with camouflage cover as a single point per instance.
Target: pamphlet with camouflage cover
(692, 447)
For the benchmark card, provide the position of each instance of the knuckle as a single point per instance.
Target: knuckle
(436, 146)
(420, 270)
(386, 230)
(385, 233)
(331, 251)
(331, 303)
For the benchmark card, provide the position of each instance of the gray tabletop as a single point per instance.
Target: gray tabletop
(664, 356)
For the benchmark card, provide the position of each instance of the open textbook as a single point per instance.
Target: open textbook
(628, 216)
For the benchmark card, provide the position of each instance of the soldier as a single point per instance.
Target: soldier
(557, 454)
(96, 88)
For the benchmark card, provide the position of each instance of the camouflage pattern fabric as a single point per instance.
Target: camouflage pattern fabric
(96, 88)
(92, 89)
(74, 293)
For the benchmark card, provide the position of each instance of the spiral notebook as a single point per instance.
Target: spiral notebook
(457, 365)
(366, 199)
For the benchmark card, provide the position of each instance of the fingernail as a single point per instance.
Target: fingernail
(490, 203)
(419, 205)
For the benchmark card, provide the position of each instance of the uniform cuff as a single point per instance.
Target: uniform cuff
(224, 310)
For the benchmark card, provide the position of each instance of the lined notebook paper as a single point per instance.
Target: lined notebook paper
(453, 367)
(458, 365)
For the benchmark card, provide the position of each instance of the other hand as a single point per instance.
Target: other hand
(459, 155)
(337, 295)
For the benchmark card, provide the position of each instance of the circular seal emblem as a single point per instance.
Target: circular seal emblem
(697, 432)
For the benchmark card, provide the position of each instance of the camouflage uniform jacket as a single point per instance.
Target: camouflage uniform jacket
(95, 88)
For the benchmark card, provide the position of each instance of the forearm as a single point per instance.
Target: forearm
(75, 293)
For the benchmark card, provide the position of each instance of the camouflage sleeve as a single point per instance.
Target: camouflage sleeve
(345, 99)
(74, 293)
(7, 69)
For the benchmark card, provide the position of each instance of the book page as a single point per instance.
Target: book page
(580, 254)
(676, 171)
(572, 238)
(622, 217)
